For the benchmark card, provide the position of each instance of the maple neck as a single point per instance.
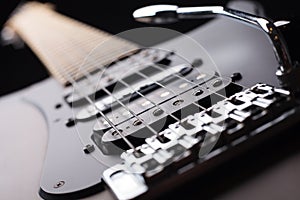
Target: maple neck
(63, 44)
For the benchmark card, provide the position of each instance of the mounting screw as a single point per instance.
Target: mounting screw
(70, 122)
(58, 105)
(89, 148)
(236, 76)
(59, 184)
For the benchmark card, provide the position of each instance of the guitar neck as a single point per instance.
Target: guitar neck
(64, 45)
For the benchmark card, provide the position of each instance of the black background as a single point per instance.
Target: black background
(20, 68)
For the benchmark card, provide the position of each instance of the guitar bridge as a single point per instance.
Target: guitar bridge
(198, 138)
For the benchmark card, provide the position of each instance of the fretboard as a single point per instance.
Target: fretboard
(64, 45)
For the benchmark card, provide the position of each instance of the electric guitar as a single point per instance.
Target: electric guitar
(125, 120)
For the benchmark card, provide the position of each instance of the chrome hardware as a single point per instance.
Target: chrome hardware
(171, 13)
(196, 138)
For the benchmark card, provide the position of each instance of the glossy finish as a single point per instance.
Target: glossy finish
(171, 13)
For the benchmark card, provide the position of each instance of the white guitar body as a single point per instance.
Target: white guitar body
(29, 119)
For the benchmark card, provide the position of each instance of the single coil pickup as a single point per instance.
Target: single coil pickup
(132, 78)
(180, 107)
(117, 146)
(160, 117)
(126, 95)
(108, 74)
(142, 85)
(110, 138)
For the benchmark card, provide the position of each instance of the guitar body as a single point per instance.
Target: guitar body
(43, 155)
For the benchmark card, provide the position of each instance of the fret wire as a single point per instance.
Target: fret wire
(107, 34)
(56, 19)
(58, 53)
(77, 88)
(109, 57)
(78, 42)
(69, 56)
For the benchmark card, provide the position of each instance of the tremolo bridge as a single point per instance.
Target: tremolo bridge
(197, 138)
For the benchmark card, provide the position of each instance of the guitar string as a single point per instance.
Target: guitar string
(90, 101)
(72, 35)
(109, 93)
(100, 68)
(142, 95)
(150, 128)
(165, 88)
(55, 21)
(63, 18)
(193, 83)
(87, 75)
(169, 90)
(197, 85)
(34, 44)
(74, 83)
(88, 78)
